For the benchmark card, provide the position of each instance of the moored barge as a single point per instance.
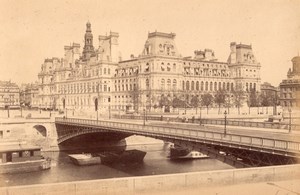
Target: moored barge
(18, 158)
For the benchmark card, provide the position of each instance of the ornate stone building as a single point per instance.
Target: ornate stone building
(9, 95)
(99, 78)
(161, 72)
(290, 87)
(80, 81)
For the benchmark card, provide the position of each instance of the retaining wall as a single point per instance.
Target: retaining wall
(159, 183)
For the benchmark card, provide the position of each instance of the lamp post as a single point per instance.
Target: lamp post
(146, 113)
(97, 106)
(290, 116)
(21, 110)
(144, 116)
(200, 116)
(65, 102)
(225, 117)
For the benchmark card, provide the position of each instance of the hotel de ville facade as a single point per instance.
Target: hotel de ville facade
(98, 79)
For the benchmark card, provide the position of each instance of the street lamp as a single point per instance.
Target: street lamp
(290, 114)
(145, 113)
(225, 117)
(200, 116)
(65, 102)
(144, 116)
(21, 110)
(97, 105)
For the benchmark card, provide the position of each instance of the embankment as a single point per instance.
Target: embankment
(159, 183)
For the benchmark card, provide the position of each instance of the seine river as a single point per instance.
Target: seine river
(155, 163)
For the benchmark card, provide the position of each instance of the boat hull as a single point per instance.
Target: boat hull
(126, 157)
(27, 166)
(184, 153)
(82, 160)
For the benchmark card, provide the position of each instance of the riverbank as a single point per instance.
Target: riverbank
(212, 182)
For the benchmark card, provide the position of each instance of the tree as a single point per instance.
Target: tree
(177, 103)
(195, 102)
(135, 94)
(220, 98)
(165, 102)
(207, 99)
(253, 98)
(238, 97)
(227, 102)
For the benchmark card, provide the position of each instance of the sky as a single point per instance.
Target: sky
(32, 30)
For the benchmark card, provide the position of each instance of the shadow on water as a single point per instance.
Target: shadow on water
(155, 162)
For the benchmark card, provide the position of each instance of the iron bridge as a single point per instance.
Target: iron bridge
(234, 149)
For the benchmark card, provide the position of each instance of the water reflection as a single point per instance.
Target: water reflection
(155, 162)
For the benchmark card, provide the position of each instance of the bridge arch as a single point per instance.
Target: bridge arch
(41, 129)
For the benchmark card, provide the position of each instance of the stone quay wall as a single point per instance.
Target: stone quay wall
(159, 183)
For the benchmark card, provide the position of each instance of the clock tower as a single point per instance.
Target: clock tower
(88, 49)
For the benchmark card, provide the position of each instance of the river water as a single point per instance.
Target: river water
(155, 163)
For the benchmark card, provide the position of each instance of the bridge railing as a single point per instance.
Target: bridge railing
(190, 134)
(269, 125)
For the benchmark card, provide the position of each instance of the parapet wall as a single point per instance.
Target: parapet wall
(162, 182)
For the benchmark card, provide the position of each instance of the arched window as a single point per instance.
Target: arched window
(183, 85)
(220, 85)
(228, 86)
(211, 86)
(147, 83)
(174, 84)
(250, 86)
(202, 85)
(169, 84)
(187, 85)
(246, 86)
(162, 66)
(192, 85)
(216, 86)
(162, 83)
(232, 87)
(174, 67)
(147, 67)
(206, 86)
(197, 85)
(224, 86)
(168, 67)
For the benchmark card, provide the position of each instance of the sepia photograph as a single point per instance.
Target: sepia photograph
(150, 97)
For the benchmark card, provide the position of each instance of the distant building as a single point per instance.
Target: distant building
(290, 87)
(29, 95)
(271, 94)
(9, 95)
(97, 78)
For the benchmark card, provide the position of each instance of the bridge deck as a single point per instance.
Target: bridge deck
(279, 134)
(282, 144)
